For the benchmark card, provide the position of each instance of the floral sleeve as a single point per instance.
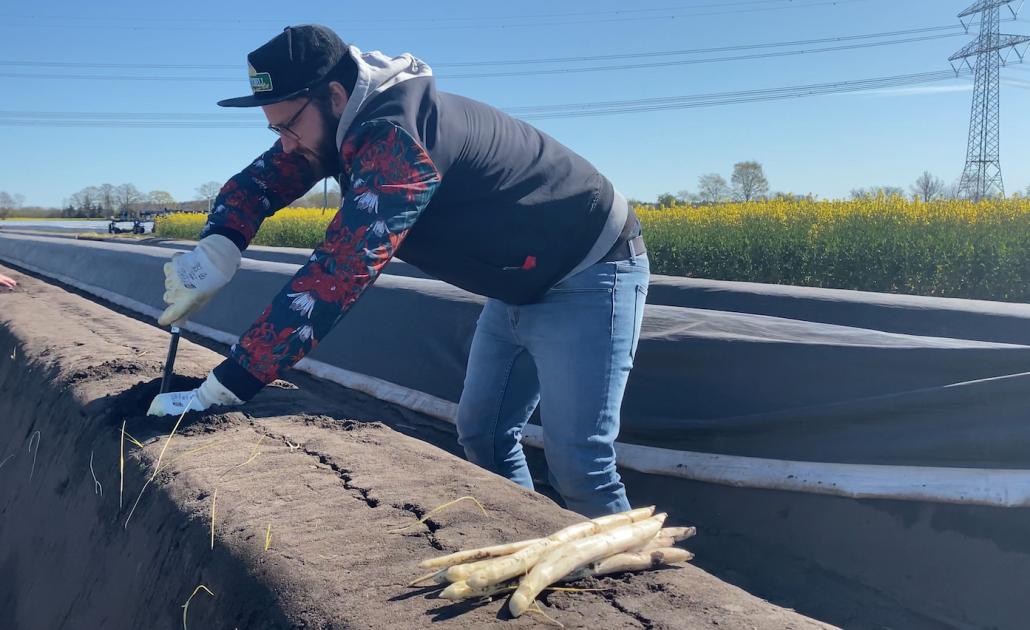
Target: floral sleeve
(267, 185)
(391, 180)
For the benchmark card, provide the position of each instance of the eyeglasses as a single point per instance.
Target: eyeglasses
(284, 129)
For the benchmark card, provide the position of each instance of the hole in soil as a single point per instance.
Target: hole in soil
(132, 404)
(136, 400)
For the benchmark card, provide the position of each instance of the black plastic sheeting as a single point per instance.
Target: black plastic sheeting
(762, 386)
(761, 371)
(735, 368)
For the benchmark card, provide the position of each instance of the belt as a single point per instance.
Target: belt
(624, 250)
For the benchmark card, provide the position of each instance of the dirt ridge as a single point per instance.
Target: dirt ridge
(328, 489)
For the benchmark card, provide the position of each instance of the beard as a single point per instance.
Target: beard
(326, 155)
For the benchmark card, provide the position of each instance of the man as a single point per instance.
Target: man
(466, 193)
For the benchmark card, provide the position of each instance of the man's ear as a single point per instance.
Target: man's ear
(337, 97)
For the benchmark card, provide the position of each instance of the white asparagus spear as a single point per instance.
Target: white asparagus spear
(678, 533)
(631, 561)
(472, 555)
(618, 563)
(456, 573)
(462, 571)
(461, 590)
(668, 537)
(521, 561)
(497, 551)
(564, 559)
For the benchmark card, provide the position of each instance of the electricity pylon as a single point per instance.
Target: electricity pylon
(982, 175)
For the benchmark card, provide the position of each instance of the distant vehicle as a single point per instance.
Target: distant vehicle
(125, 223)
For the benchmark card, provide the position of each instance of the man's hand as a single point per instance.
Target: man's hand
(209, 394)
(7, 282)
(193, 278)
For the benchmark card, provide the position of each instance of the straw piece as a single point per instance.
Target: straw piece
(98, 488)
(35, 436)
(540, 611)
(214, 497)
(253, 454)
(132, 439)
(157, 468)
(121, 467)
(186, 606)
(437, 509)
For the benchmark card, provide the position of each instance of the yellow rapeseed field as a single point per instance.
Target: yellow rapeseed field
(945, 248)
(290, 227)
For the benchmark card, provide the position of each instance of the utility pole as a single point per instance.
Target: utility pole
(981, 177)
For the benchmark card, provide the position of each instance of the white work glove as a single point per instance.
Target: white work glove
(209, 394)
(193, 278)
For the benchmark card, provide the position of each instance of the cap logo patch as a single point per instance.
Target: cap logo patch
(260, 81)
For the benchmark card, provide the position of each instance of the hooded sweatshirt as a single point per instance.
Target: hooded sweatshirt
(457, 188)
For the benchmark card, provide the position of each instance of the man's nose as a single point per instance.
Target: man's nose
(289, 144)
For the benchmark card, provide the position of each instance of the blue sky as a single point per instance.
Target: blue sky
(825, 145)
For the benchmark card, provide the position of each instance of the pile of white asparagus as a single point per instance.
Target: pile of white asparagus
(629, 541)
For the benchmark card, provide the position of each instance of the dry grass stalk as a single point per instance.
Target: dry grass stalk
(214, 497)
(253, 454)
(536, 609)
(35, 436)
(121, 467)
(179, 456)
(134, 440)
(186, 606)
(439, 508)
(97, 487)
(157, 467)
(572, 589)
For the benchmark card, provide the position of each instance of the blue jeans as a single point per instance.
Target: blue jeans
(571, 353)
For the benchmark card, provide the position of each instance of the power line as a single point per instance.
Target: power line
(521, 73)
(696, 51)
(513, 62)
(505, 62)
(120, 66)
(570, 110)
(419, 20)
(687, 62)
(424, 24)
(114, 77)
(596, 108)
(180, 116)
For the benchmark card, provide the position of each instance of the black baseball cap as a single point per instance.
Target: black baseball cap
(290, 64)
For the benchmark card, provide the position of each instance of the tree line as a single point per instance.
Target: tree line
(749, 183)
(108, 200)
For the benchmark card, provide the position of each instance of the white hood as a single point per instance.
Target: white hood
(376, 73)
